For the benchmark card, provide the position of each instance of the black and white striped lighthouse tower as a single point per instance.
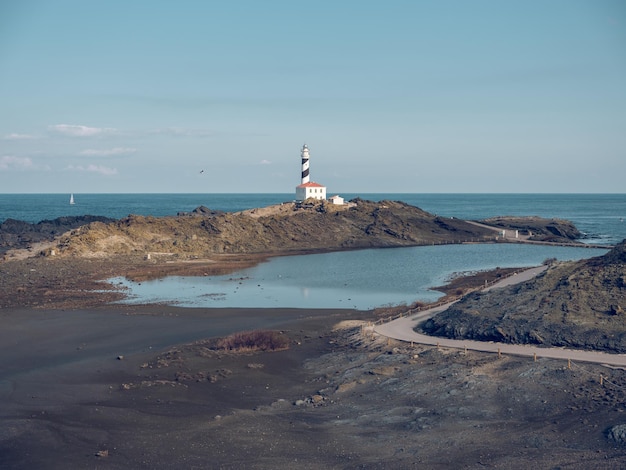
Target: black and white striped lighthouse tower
(308, 189)
(305, 164)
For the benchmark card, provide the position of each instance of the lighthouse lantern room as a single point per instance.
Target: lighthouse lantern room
(307, 188)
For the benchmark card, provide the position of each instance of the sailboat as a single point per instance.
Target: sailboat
(72, 199)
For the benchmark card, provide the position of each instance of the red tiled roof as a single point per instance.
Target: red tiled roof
(310, 184)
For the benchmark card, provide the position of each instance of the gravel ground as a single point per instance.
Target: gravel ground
(87, 385)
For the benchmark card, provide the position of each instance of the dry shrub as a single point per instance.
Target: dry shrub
(258, 340)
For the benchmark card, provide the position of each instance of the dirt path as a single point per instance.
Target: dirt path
(511, 235)
(403, 329)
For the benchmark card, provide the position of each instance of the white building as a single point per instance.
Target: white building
(336, 199)
(308, 189)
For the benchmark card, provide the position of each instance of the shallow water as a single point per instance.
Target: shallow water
(361, 279)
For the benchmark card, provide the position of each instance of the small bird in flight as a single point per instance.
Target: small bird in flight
(201, 171)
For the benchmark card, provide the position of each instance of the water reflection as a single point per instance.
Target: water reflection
(357, 279)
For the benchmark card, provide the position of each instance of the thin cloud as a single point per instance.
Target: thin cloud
(181, 132)
(11, 162)
(81, 131)
(265, 162)
(107, 152)
(15, 136)
(100, 169)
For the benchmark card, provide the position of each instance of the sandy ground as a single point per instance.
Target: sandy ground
(74, 383)
(88, 385)
(129, 388)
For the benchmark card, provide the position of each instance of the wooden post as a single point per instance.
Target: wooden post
(499, 353)
(601, 380)
(438, 345)
(569, 364)
(535, 357)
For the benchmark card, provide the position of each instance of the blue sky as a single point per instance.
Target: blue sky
(396, 96)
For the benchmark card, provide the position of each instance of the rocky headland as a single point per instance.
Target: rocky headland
(287, 228)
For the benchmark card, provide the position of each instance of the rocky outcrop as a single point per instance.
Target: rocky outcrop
(19, 234)
(282, 229)
(202, 210)
(576, 304)
(537, 228)
(617, 434)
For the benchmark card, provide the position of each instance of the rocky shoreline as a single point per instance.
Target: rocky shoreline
(92, 385)
(275, 230)
(55, 264)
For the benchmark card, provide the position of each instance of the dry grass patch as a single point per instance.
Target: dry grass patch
(258, 340)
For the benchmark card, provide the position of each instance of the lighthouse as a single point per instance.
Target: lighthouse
(307, 188)
(304, 153)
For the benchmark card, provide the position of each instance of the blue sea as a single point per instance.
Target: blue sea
(358, 279)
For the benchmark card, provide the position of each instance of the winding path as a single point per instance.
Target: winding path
(402, 329)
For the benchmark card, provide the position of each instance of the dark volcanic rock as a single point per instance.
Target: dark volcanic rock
(575, 304)
(538, 228)
(617, 434)
(202, 210)
(19, 234)
(284, 228)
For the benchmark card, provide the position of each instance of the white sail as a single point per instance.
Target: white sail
(72, 198)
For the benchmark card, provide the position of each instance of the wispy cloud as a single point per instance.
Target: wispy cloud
(73, 130)
(182, 132)
(100, 169)
(107, 152)
(265, 162)
(81, 131)
(11, 162)
(15, 136)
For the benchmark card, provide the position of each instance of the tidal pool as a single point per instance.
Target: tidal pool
(361, 279)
